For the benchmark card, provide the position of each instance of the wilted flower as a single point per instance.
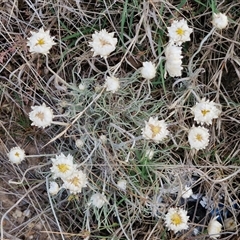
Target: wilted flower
(173, 63)
(176, 219)
(75, 182)
(40, 42)
(230, 224)
(112, 84)
(155, 130)
(98, 200)
(220, 20)
(198, 137)
(16, 155)
(149, 153)
(214, 227)
(179, 32)
(62, 166)
(186, 192)
(148, 71)
(53, 188)
(103, 43)
(122, 184)
(41, 116)
(205, 111)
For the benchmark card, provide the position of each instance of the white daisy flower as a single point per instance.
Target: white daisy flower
(62, 166)
(53, 188)
(173, 63)
(198, 137)
(176, 219)
(41, 116)
(148, 71)
(155, 130)
(112, 84)
(122, 184)
(205, 111)
(103, 43)
(16, 155)
(179, 32)
(98, 200)
(75, 182)
(186, 192)
(220, 20)
(214, 228)
(40, 42)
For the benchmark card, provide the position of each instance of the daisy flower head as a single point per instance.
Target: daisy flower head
(179, 32)
(176, 219)
(205, 111)
(40, 42)
(98, 200)
(214, 228)
(62, 166)
(75, 182)
(16, 155)
(103, 43)
(219, 20)
(41, 116)
(155, 130)
(112, 84)
(148, 71)
(198, 137)
(53, 188)
(173, 64)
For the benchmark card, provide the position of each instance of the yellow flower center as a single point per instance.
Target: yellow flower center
(40, 115)
(199, 137)
(104, 42)
(176, 219)
(155, 130)
(180, 31)
(40, 42)
(17, 154)
(75, 181)
(204, 112)
(63, 167)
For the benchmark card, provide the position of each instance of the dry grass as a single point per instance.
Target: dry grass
(152, 184)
